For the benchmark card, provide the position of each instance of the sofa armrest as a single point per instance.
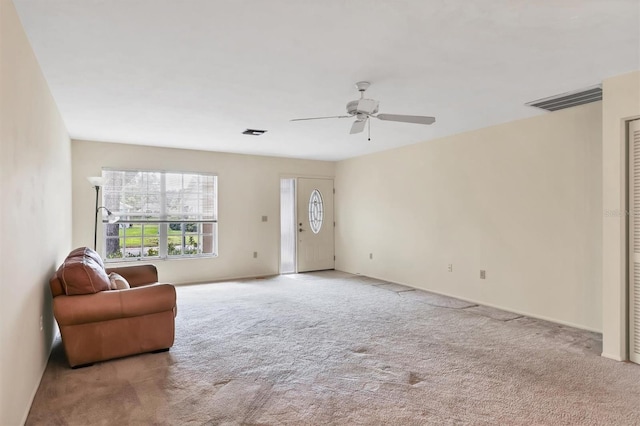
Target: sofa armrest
(114, 304)
(137, 275)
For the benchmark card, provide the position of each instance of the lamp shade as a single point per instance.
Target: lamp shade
(95, 180)
(111, 218)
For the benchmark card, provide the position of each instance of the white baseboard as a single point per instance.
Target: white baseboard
(613, 357)
(223, 279)
(44, 367)
(523, 313)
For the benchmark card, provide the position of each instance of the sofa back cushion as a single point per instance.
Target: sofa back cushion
(83, 272)
(81, 252)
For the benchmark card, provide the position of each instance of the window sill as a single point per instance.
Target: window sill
(155, 259)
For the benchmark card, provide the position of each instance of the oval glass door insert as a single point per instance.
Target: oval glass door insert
(315, 211)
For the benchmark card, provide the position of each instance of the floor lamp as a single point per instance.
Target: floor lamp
(96, 181)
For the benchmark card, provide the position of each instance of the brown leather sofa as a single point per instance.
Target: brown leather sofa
(97, 323)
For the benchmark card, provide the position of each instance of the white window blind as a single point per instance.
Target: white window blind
(162, 214)
(143, 196)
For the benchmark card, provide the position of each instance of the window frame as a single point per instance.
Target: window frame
(163, 222)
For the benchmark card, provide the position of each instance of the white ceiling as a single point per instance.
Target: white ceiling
(196, 73)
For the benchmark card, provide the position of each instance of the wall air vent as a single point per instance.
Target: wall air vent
(569, 99)
(254, 132)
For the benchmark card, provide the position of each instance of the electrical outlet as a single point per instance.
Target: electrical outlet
(450, 268)
(483, 274)
(41, 323)
(370, 255)
(255, 254)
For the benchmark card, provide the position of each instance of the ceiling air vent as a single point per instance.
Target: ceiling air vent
(254, 132)
(569, 99)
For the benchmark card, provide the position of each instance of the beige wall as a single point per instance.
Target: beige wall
(35, 216)
(621, 102)
(520, 200)
(248, 187)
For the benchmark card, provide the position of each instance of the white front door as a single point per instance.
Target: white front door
(315, 224)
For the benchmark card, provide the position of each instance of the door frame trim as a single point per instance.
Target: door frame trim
(628, 240)
(296, 177)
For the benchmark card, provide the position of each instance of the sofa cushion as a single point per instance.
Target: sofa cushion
(118, 282)
(86, 252)
(83, 272)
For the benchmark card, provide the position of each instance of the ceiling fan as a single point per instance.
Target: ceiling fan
(362, 109)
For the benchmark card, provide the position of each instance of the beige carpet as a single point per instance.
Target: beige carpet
(333, 348)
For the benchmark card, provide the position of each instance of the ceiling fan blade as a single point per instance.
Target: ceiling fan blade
(417, 119)
(358, 126)
(367, 105)
(321, 118)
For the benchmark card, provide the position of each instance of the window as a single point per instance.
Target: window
(163, 215)
(316, 208)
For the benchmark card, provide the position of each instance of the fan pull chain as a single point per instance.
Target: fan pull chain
(369, 130)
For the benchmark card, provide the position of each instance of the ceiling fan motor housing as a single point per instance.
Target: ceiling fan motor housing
(352, 108)
(362, 85)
